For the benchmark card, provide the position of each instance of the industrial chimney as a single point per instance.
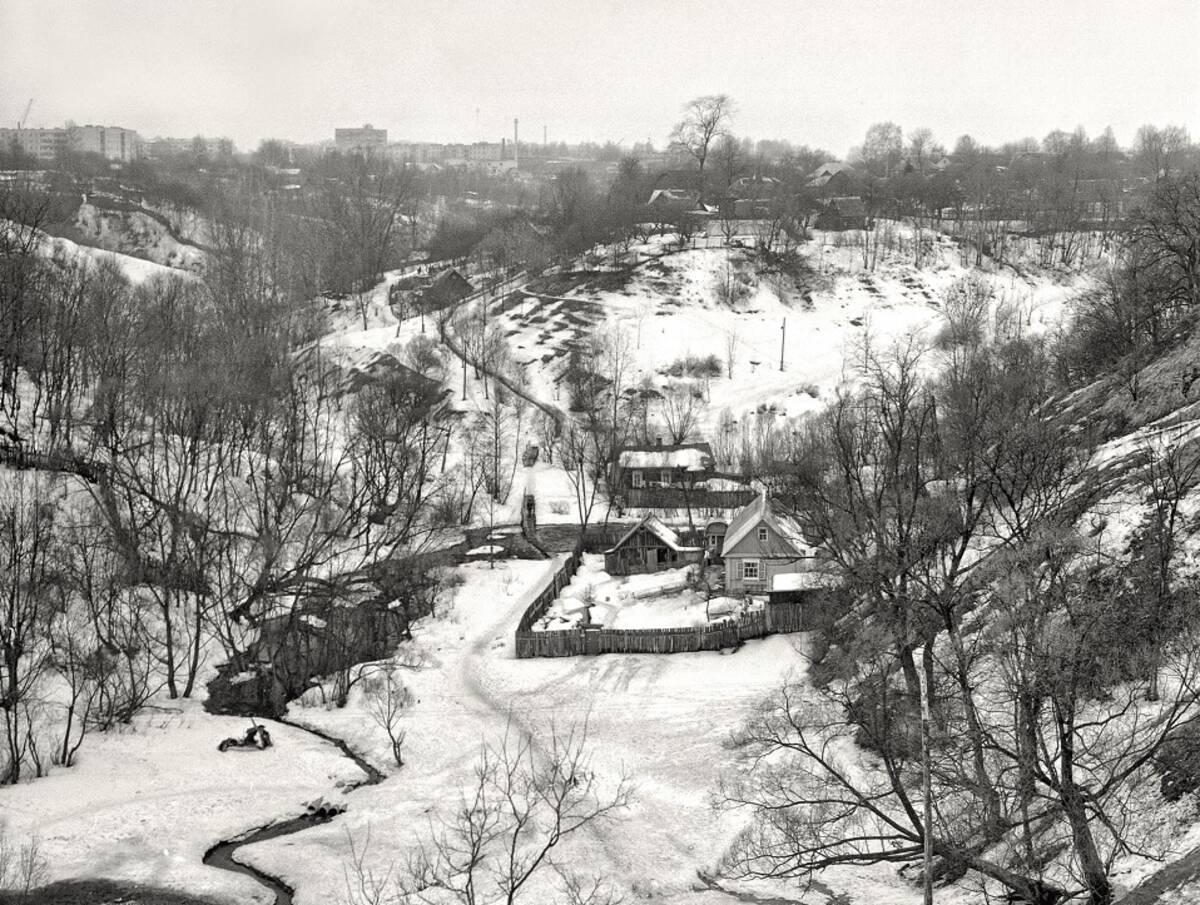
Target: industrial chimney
(516, 145)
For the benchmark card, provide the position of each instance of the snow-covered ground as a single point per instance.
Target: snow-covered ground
(664, 719)
(654, 600)
(137, 234)
(144, 803)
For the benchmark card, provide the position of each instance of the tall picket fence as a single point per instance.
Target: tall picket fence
(774, 618)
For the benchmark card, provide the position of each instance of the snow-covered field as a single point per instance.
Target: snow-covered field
(144, 803)
(663, 719)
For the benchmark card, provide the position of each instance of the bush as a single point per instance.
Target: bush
(699, 366)
(1178, 762)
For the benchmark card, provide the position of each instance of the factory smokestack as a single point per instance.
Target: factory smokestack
(516, 144)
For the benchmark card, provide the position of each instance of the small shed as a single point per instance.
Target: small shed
(714, 539)
(820, 595)
(649, 546)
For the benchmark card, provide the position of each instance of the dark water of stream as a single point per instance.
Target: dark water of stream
(222, 855)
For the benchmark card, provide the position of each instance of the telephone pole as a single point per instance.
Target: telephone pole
(782, 341)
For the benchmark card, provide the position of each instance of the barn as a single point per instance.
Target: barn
(649, 546)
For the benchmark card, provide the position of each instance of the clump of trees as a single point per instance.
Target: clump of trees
(996, 698)
(185, 472)
(1147, 300)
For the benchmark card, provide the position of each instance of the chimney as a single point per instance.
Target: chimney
(516, 144)
(658, 441)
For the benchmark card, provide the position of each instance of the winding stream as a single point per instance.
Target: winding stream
(222, 855)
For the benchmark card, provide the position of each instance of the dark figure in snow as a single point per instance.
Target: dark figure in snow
(255, 737)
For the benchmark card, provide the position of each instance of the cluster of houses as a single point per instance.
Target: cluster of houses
(760, 550)
(828, 195)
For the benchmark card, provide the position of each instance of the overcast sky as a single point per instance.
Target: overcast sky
(810, 71)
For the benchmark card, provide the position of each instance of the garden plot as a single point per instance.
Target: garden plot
(658, 600)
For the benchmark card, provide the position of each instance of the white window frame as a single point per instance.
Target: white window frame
(763, 534)
(635, 477)
(746, 566)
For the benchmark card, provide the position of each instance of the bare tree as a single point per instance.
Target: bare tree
(682, 406)
(29, 595)
(527, 796)
(23, 867)
(704, 120)
(387, 698)
(729, 159)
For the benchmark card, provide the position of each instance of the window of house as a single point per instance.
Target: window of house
(635, 478)
(762, 535)
(750, 570)
(666, 476)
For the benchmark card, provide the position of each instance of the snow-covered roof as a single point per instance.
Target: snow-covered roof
(829, 169)
(802, 581)
(655, 526)
(757, 511)
(689, 458)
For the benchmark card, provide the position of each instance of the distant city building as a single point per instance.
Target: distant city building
(367, 138)
(197, 145)
(44, 144)
(483, 151)
(110, 142)
(420, 152)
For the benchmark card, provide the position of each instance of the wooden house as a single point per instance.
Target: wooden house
(842, 213)
(678, 466)
(832, 179)
(673, 201)
(448, 288)
(759, 545)
(649, 546)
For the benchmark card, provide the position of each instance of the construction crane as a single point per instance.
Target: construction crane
(25, 115)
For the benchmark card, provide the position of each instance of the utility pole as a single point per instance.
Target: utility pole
(464, 376)
(782, 341)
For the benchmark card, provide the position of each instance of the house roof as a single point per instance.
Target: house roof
(690, 456)
(753, 513)
(829, 169)
(447, 287)
(802, 581)
(673, 196)
(655, 526)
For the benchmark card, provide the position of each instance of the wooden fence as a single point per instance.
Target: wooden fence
(538, 606)
(773, 619)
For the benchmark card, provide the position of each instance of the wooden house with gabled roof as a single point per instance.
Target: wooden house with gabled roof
(760, 544)
(649, 546)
